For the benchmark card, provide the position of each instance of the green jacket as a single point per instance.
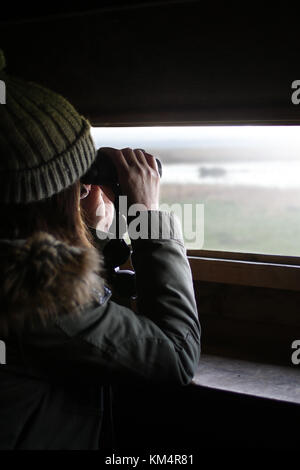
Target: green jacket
(58, 364)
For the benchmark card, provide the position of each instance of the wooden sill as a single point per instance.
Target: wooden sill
(249, 378)
(242, 256)
(256, 270)
(276, 272)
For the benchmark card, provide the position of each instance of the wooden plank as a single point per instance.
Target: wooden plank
(242, 256)
(246, 273)
(251, 378)
(177, 70)
(275, 276)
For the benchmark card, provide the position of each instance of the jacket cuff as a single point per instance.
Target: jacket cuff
(155, 225)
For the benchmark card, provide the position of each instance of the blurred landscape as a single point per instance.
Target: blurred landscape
(260, 220)
(247, 178)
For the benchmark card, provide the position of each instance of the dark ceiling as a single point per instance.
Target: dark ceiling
(156, 62)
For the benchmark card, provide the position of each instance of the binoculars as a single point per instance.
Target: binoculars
(103, 171)
(116, 251)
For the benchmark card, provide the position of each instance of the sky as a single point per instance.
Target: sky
(198, 135)
(279, 139)
(252, 155)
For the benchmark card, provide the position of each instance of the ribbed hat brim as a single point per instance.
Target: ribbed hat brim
(51, 177)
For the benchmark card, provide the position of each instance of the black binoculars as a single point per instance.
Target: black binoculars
(103, 171)
(116, 251)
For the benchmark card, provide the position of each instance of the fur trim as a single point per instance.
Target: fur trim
(42, 277)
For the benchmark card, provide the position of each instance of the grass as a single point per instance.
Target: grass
(249, 219)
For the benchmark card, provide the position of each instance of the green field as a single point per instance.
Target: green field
(248, 219)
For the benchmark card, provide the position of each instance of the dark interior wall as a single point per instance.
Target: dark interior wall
(250, 323)
(188, 420)
(159, 62)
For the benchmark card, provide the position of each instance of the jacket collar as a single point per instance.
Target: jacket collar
(42, 277)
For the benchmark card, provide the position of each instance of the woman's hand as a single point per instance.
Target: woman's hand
(139, 180)
(138, 176)
(97, 205)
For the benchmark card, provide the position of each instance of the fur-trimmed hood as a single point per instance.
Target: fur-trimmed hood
(42, 277)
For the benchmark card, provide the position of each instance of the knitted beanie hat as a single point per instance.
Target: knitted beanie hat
(45, 145)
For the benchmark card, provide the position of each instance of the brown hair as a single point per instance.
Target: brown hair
(60, 215)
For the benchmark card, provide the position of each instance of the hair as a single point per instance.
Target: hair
(60, 215)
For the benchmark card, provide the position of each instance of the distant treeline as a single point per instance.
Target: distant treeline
(215, 154)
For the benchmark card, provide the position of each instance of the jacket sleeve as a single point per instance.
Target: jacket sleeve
(111, 343)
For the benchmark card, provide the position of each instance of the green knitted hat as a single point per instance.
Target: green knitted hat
(45, 145)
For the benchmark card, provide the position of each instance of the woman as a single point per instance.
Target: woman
(66, 340)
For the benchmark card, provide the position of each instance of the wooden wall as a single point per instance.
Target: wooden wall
(160, 62)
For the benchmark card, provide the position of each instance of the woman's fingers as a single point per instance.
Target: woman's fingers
(151, 161)
(117, 158)
(127, 157)
(137, 174)
(130, 157)
(140, 156)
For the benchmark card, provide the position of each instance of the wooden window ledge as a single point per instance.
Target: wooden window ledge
(239, 376)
